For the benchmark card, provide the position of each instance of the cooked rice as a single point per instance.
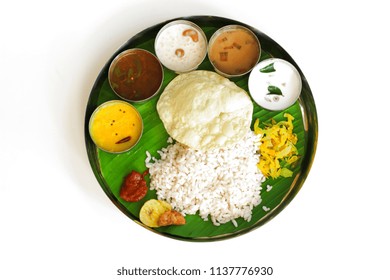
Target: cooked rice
(220, 184)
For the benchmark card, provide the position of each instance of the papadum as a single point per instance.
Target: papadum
(203, 110)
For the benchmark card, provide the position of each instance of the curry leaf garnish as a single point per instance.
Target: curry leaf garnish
(274, 90)
(268, 69)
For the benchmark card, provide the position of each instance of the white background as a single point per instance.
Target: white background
(57, 223)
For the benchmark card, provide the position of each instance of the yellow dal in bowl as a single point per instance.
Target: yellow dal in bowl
(115, 126)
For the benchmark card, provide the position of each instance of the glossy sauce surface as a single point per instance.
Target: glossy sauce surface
(135, 75)
(234, 51)
(115, 126)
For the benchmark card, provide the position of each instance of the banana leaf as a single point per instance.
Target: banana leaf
(110, 169)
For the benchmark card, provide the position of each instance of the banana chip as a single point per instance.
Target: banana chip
(152, 210)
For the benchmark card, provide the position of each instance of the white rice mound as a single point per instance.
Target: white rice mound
(220, 184)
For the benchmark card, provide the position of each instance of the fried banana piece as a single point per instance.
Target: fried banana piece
(171, 217)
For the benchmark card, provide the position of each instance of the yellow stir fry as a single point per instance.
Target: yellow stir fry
(277, 149)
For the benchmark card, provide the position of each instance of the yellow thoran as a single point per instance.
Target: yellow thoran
(277, 149)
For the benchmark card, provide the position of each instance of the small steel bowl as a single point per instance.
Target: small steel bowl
(181, 46)
(231, 48)
(108, 125)
(136, 75)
